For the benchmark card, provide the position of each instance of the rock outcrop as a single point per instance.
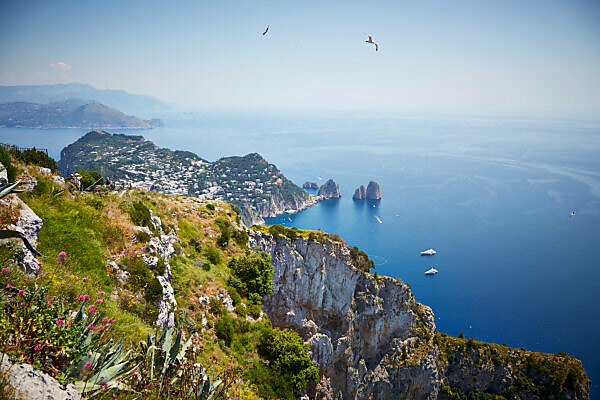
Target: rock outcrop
(33, 384)
(27, 224)
(329, 190)
(360, 193)
(369, 335)
(372, 340)
(3, 175)
(373, 191)
(310, 185)
(160, 248)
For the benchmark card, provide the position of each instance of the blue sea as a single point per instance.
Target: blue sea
(493, 195)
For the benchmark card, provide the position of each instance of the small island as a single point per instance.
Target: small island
(310, 185)
(329, 190)
(372, 192)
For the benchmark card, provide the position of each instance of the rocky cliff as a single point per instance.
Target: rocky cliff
(310, 185)
(374, 341)
(329, 190)
(373, 191)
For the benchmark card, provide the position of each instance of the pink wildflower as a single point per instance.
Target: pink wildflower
(62, 254)
(21, 291)
(101, 327)
(9, 286)
(92, 309)
(88, 365)
(148, 385)
(101, 378)
(47, 297)
(40, 263)
(84, 297)
(4, 270)
(104, 319)
(49, 302)
(101, 294)
(99, 301)
(38, 347)
(60, 322)
(84, 279)
(90, 327)
(110, 320)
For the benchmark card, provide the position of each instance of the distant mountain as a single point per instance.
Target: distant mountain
(69, 114)
(44, 94)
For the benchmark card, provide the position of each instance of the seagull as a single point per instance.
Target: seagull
(266, 30)
(370, 41)
(573, 213)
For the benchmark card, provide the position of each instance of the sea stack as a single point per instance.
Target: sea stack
(360, 193)
(330, 190)
(373, 191)
(310, 185)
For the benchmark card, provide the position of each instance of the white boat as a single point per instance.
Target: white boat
(429, 252)
(378, 219)
(431, 271)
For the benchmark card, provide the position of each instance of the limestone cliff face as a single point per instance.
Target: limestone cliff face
(373, 191)
(329, 190)
(374, 341)
(370, 336)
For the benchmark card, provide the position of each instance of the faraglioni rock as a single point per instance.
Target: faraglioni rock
(329, 190)
(373, 191)
(309, 185)
(360, 193)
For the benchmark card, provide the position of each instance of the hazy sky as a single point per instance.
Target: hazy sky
(479, 56)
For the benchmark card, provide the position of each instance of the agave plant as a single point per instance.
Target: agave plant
(164, 349)
(9, 188)
(205, 389)
(102, 367)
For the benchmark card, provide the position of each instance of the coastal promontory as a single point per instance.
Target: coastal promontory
(329, 190)
(373, 191)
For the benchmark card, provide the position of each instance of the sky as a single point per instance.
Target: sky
(500, 57)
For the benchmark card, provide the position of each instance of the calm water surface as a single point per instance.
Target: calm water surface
(492, 195)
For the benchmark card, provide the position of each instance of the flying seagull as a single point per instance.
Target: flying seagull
(572, 213)
(370, 41)
(266, 30)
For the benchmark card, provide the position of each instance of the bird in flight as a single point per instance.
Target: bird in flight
(572, 213)
(266, 30)
(370, 41)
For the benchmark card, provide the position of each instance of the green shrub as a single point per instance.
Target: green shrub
(241, 311)
(224, 329)
(210, 206)
(212, 254)
(235, 296)
(240, 238)
(196, 244)
(224, 226)
(139, 273)
(142, 237)
(287, 356)
(253, 310)
(34, 156)
(361, 260)
(140, 214)
(217, 307)
(252, 274)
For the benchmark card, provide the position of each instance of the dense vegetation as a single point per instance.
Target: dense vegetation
(81, 233)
